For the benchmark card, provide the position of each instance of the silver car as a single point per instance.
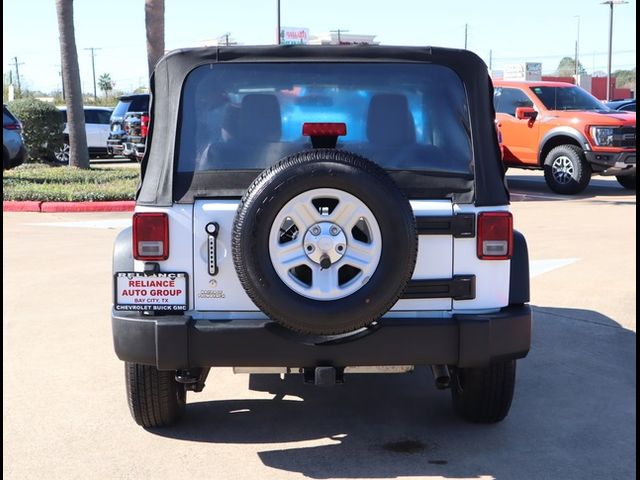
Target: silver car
(96, 120)
(13, 149)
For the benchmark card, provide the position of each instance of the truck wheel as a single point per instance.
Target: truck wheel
(155, 398)
(627, 181)
(324, 242)
(483, 395)
(61, 154)
(566, 171)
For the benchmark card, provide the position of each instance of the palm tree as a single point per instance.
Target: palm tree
(105, 83)
(78, 151)
(154, 24)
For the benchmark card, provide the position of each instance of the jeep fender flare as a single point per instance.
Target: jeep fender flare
(563, 131)
(519, 289)
(122, 252)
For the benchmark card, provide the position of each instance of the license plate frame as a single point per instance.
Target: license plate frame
(153, 299)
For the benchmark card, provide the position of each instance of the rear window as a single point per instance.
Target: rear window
(567, 98)
(7, 117)
(139, 104)
(121, 108)
(249, 116)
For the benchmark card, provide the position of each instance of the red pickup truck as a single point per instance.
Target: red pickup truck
(564, 130)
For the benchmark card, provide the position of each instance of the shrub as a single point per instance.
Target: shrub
(69, 184)
(42, 127)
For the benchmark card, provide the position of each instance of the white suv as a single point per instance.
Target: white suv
(96, 121)
(321, 211)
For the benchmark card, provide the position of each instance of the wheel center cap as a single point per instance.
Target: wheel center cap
(325, 243)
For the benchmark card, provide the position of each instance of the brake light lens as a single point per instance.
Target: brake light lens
(12, 126)
(324, 129)
(150, 236)
(495, 236)
(144, 125)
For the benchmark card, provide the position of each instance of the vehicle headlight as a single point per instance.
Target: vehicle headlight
(602, 136)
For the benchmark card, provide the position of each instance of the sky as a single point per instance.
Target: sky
(513, 30)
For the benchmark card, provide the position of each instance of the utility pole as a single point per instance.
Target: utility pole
(577, 47)
(16, 64)
(61, 79)
(278, 32)
(611, 3)
(93, 68)
(466, 27)
(339, 31)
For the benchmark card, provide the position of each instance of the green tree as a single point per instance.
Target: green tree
(105, 84)
(78, 150)
(625, 78)
(567, 67)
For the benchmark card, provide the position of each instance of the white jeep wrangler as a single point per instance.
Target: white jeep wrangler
(321, 210)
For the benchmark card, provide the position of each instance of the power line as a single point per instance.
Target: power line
(93, 68)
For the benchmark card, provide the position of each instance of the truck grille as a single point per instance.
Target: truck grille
(625, 137)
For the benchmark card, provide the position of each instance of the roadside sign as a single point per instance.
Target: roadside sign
(294, 35)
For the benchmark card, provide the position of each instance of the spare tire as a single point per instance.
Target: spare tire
(324, 242)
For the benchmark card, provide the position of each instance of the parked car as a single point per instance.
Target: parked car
(565, 131)
(96, 120)
(129, 123)
(13, 149)
(628, 105)
(269, 238)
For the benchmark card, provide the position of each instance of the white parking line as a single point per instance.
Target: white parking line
(540, 267)
(526, 196)
(100, 224)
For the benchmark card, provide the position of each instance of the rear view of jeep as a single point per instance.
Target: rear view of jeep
(321, 211)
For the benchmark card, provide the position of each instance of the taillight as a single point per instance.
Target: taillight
(12, 126)
(144, 125)
(150, 236)
(495, 235)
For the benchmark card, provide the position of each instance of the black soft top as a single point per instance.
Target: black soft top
(161, 186)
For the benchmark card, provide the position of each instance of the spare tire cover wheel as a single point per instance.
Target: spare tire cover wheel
(324, 242)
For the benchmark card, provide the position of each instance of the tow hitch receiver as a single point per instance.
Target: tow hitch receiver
(324, 376)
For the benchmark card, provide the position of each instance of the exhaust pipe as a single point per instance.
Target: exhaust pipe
(441, 376)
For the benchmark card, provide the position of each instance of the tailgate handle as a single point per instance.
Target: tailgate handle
(212, 229)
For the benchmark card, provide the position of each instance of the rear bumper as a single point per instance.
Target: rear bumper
(17, 159)
(179, 342)
(622, 163)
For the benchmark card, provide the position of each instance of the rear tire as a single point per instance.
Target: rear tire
(61, 154)
(627, 181)
(566, 171)
(483, 395)
(155, 398)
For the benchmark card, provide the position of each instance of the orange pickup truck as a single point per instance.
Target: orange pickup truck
(564, 130)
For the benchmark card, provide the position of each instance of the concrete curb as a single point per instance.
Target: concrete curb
(59, 207)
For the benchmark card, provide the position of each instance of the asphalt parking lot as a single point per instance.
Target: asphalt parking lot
(573, 417)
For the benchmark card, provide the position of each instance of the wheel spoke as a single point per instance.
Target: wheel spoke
(345, 214)
(304, 215)
(325, 280)
(291, 253)
(359, 254)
